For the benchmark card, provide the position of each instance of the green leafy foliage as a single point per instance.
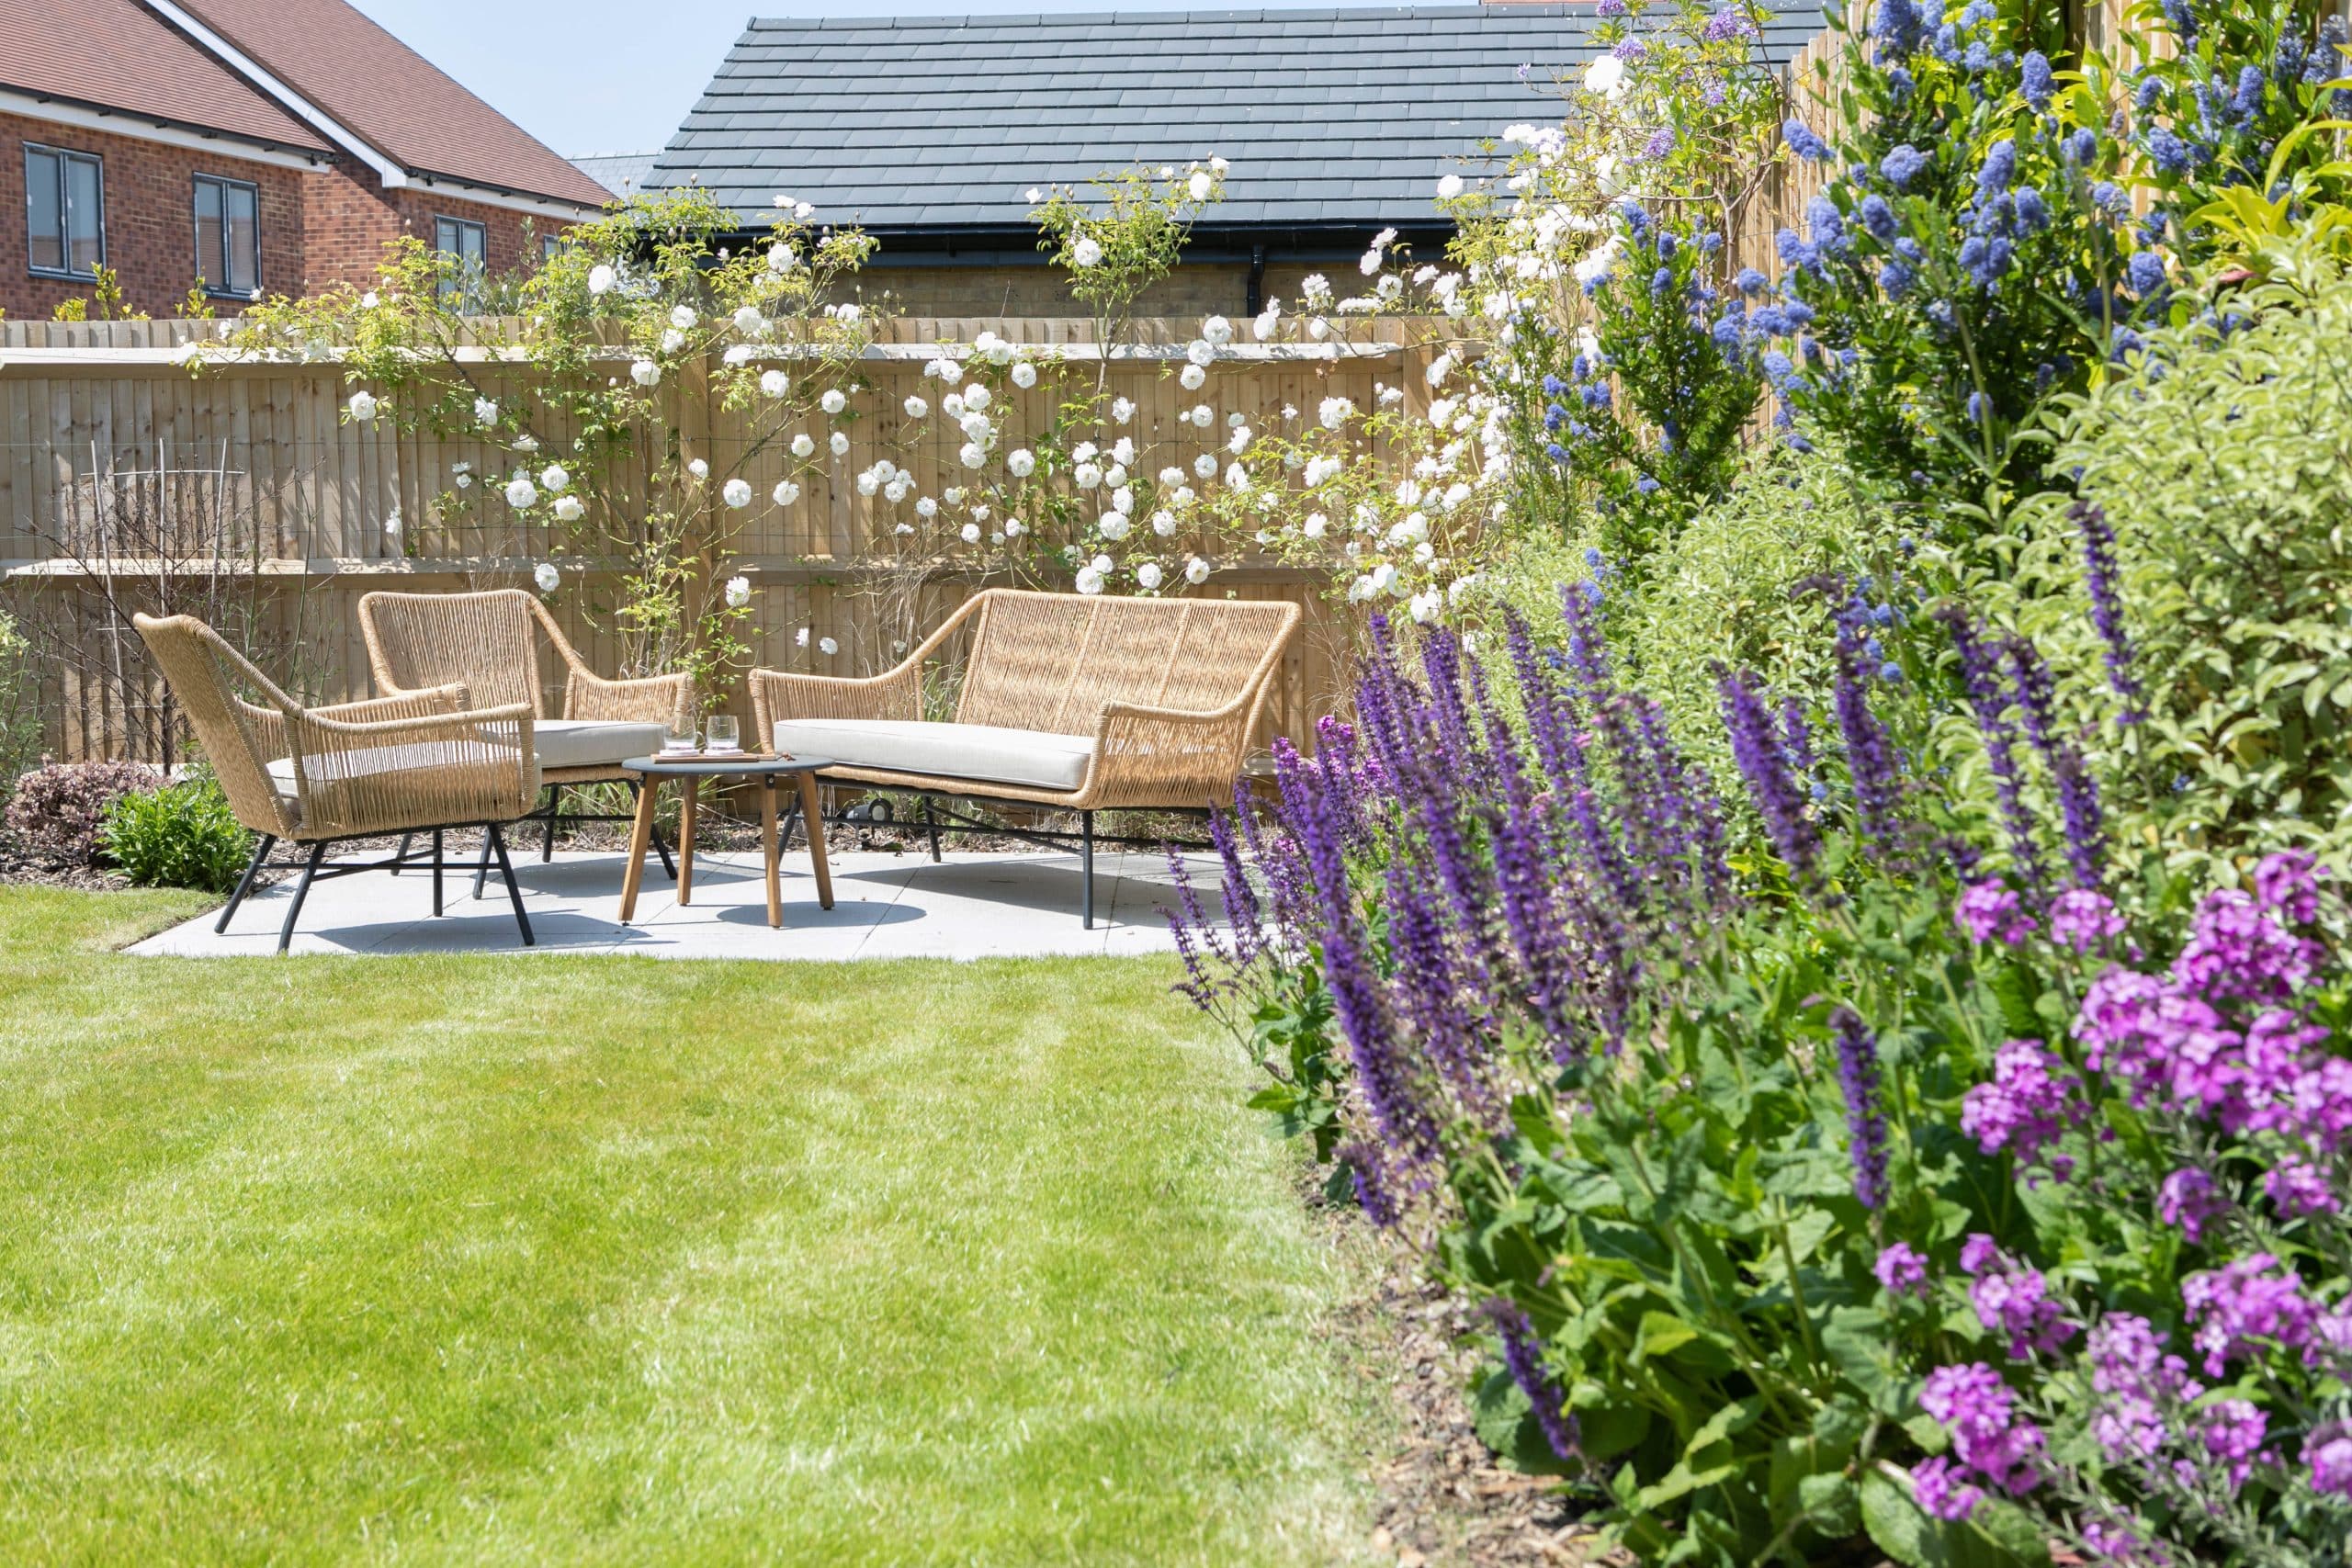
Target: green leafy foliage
(183, 835)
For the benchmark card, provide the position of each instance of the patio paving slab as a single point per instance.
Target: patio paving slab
(885, 905)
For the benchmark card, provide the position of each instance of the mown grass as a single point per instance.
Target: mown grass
(583, 1259)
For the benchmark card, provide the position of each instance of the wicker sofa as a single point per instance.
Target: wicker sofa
(1076, 703)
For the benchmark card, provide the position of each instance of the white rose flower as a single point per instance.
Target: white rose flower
(833, 402)
(1015, 528)
(1192, 378)
(465, 480)
(1086, 251)
(1122, 500)
(1335, 412)
(485, 411)
(976, 397)
(601, 278)
(971, 534)
(827, 647)
(1239, 442)
(1021, 462)
(1317, 525)
(1148, 575)
(954, 495)
(775, 383)
(868, 482)
(1163, 523)
(1200, 351)
(976, 426)
(1217, 163)
(645, 373)
(699, 468)
(1200, 185)
(1123, 450)
(782, 257)
(803, 209)
(1196, 571)
(803, 444)
(749, 321)
(1449, 187)
(554, 477)
(548, 575)
(1114, 527)
(673, 341)
(1317, 328)
(1206, 464)
(362, 406)
(1201, 416)
(1087, 476)
(1089, 580)
(926, 507)
(896, 490)
(737, 493)
(917, 408)
(1025, 376)
(801, 637)
(739, 593)
(1236, 478)
(970, 454)
(526, 444)
(570, 508)
(1606, 76)
(521, 493)
(785, 492)
(839, 442)
(1217, 331)
(1115, 475)
(1267, 323)
(1425, 606)
(683, 317)
(1122, 411)
(1384, 579)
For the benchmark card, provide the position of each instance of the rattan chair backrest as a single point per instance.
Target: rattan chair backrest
(488, 640)
(238, 738)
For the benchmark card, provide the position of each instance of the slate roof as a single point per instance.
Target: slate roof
(623, 174)
(1333, 117)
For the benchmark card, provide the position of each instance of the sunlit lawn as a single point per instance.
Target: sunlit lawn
(537, 1259)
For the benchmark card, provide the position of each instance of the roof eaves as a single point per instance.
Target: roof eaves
(270, 85)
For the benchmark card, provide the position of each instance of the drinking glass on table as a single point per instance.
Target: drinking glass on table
(681, 736)
(723, 732)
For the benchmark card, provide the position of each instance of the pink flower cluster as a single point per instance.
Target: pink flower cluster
(2013, 1300)
(2137, 1382)
(2030, 1099)
(2214, 1036)
(2237, 1307)
(1988, 912)
(1991, 1445)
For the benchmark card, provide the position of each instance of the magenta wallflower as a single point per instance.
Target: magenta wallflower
(2030, 1099)
(1943, 1491)
(2017, 1301)
(2136, 1382)
(1990, 912)
(1975, 1407)
(2289, 882)
(2232, 1432)
(1977, 1253)
(2328, 1452)
(2188, 1199)
(2083, 920)
(2237, 1307)
(2298, 1188)
(1901, 1270)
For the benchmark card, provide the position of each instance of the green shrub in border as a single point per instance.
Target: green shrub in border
(183, 835)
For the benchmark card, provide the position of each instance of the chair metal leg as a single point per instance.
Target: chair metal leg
(1086, 868)
(437, 874)
(245, 883)
(302, 891)
(547, 836)
(514, 893)
(930, 824)
(481, 867)
(402, 859)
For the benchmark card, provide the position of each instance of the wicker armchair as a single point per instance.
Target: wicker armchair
(1083, 703)
(489, 642)
(424, 761)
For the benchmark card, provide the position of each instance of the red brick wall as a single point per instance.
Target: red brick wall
(150, 219)
(317, 227)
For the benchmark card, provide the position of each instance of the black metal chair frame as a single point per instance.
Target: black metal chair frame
(549, 820)
(314, 869)
(937, 805)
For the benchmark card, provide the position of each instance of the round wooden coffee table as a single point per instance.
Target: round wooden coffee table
(693, 770)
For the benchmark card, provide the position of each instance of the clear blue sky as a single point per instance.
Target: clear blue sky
(617, 75)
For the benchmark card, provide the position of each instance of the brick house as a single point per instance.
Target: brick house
(259, 146)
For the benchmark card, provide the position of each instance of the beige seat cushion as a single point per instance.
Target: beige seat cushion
(593, 743)
(1036, 759)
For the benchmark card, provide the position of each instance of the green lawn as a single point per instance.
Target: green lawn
(585, 1260)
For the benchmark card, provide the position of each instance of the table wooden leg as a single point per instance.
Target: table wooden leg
(770, 851)
(815, 815)
(692, 787)
(640, 835)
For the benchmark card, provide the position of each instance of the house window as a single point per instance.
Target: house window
(228, 236)
(550, 247)
(65, 227)
(466, 244)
